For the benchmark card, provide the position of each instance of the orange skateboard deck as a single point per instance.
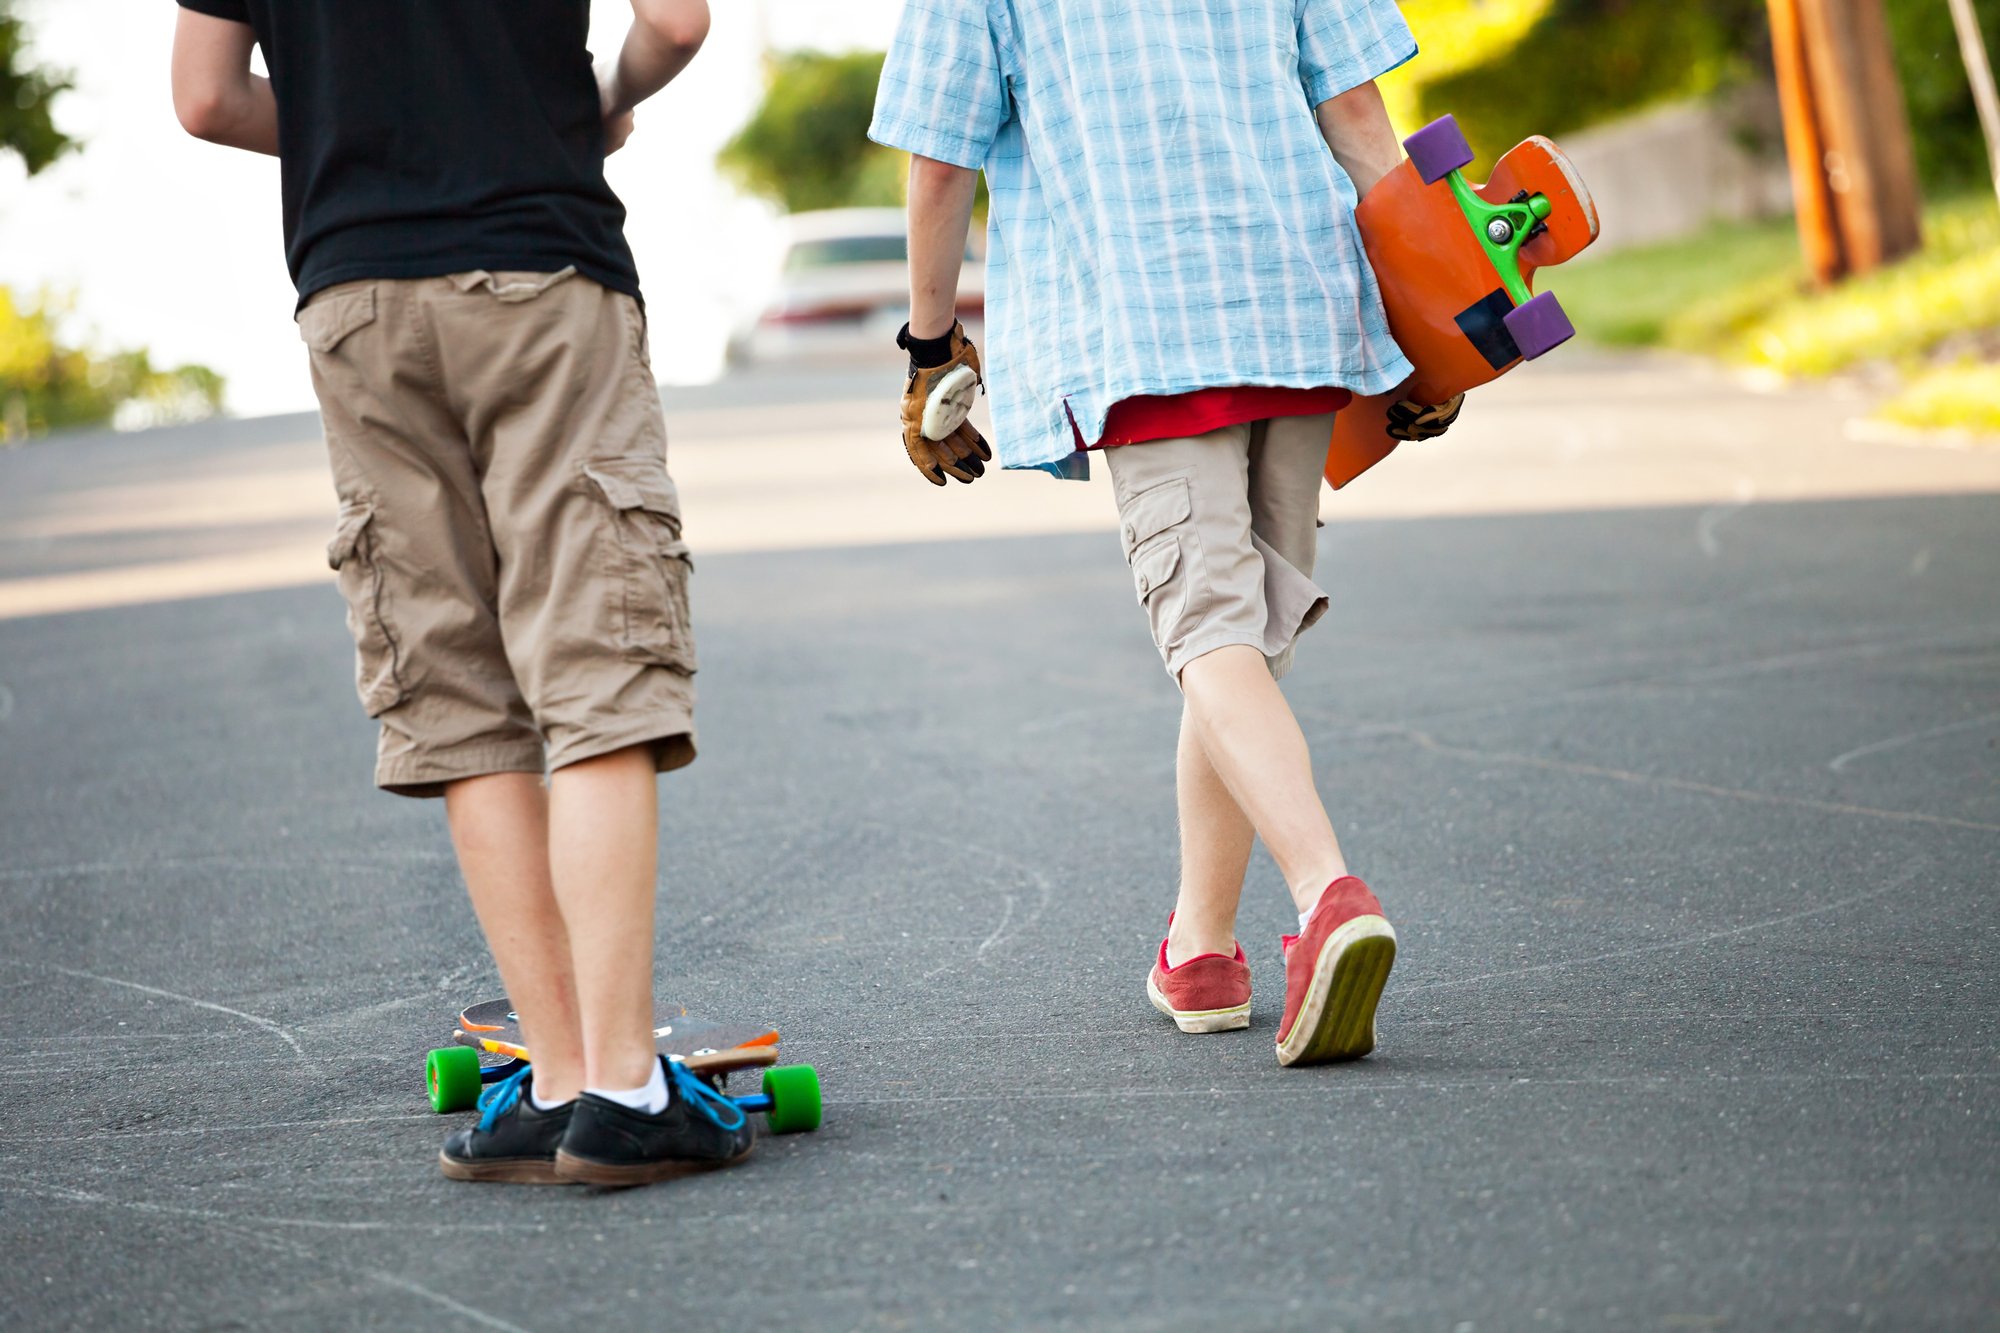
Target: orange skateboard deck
(1456, 265)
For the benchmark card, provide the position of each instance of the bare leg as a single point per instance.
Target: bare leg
(604, 852)
(1216, 840)
(1256, 747)
(500, 826)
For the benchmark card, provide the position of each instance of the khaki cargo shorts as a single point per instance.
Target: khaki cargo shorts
(1221, 531)
(509, 542)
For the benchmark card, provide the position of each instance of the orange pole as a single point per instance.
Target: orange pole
(1805, 149)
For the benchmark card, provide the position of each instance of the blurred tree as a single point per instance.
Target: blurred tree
(1944, 121)
(807, 145)
(1550, 66)
(45, 385)
(1577, 62)
(26, 91)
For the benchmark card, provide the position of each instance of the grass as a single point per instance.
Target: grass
(1629, 298)
(1964, 398)
(1738, 291)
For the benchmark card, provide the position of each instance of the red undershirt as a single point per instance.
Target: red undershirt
(1172, 416)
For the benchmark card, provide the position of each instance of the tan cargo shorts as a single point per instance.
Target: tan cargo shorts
(1221, 531)
(509, 541)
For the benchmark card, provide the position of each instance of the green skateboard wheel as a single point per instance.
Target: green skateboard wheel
(794, 1094)
(452, 1076)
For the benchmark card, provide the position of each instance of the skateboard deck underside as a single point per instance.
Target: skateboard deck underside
(704, 1044)
(1444, 300)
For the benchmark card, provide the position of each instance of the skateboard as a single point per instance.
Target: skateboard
(488, 1047)
(1456, 263)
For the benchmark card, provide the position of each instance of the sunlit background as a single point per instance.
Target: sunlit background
(174, 245)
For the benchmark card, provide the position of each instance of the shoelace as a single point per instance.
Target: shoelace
(694, 1090)
(499, 1099)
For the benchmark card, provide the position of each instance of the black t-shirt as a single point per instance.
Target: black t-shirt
(424, 137)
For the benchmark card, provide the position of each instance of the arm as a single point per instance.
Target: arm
(941, 198)
(664, 37)
(1356, 127)
(216, 96)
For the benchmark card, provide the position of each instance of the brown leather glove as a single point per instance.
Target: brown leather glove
(1410, 420)
(937, 402)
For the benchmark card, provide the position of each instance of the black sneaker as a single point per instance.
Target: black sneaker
(512, 1141)
(611, 1144)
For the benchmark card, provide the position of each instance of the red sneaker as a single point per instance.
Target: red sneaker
(1208, 993)
(1334, 974)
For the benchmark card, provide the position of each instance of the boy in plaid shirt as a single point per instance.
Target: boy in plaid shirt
(1175, 278)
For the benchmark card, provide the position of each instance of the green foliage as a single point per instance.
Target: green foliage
(1557, 65)
(807, 146)
(1944, 125)
(1963, 397)
(1584, 61)
(26, 92)
(1739, 291)
(46, 385)
(1949, 292)
(1628, 298)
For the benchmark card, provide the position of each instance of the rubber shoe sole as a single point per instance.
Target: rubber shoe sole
(582, 1171)
(1200, 1020)
(502, 1170)
(1337, 1019)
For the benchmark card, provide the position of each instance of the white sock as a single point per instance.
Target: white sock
(535, 1100)
(1304, 917)
(649, 1099)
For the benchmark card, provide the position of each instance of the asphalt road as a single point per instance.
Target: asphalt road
(1689, 818)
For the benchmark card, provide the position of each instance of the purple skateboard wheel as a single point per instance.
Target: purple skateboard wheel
(1539, 326)
(1438, 149)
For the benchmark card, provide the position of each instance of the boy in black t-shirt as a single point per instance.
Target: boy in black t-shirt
(509, 541)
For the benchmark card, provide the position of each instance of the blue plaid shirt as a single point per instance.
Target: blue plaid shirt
(1165, 215)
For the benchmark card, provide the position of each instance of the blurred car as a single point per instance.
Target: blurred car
(843, 289)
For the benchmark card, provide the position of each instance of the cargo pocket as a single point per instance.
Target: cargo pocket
(652, 579)
(326, 322)
(377, 673)
(1163, 595)
(1147, 526)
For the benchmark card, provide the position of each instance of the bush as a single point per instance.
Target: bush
(1579, 62)
(1946, 295)
(1963, 397)
(1564, 64)
(46, 386)
(1944, 124)
(807, 145)
(26, 92)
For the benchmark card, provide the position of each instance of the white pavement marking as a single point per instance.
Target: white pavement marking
(1712, 517)
(276, 1029)
(333, 1122)
(233, 1226)
(1001, 930)
(231, 862)
(1428, 742)
(1840, 762)
(1668, 946)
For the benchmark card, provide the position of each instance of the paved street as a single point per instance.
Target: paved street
(1664, 717)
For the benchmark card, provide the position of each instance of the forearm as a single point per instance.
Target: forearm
(941, 198)
(1356, 127)
(665, 36)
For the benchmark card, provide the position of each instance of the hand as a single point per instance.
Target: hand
(617, 129)
(1410, 420)
(937, 402)
(618, 123)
